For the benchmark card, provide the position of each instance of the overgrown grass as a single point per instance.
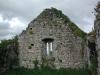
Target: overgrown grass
(47, 71)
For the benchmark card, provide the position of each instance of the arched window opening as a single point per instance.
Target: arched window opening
(48, 46)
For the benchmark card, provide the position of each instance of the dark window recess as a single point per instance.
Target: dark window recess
(48, 46)
(48, 40)
(30, 28)
(32, 44)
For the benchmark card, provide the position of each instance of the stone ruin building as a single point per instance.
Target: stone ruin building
(53, 40)
(97, 30)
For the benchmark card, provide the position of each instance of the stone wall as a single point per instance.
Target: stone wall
(97, 30)
(69, 50)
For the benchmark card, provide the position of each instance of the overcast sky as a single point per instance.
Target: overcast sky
(16, 14)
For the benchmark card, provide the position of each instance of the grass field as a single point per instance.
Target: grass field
(47, 71)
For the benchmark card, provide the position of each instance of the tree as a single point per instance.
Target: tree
(9, 53)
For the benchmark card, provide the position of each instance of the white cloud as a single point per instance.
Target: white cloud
(16, 25)
(10, 27)
(1, 18)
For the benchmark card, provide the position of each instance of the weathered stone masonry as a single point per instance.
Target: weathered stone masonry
(97, 30)
(67, 49)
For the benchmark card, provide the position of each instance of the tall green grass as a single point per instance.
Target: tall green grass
(47, 71)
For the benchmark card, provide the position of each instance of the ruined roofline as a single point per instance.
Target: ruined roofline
(50, 13)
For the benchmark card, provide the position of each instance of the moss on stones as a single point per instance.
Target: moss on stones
(58, 13)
